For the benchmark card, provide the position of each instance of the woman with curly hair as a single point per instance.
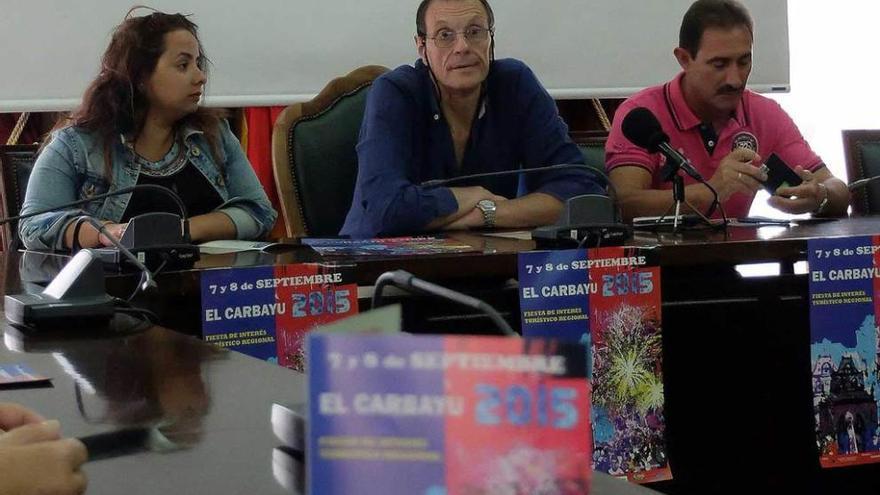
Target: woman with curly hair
(140, 122)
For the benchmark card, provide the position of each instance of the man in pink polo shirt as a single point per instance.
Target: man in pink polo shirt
(724, 129)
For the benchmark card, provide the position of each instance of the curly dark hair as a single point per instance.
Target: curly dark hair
(115, 102)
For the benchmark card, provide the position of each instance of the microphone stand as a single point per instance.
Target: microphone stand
(147, 279)
(185, 234)
(410, 283)
(672, 174)
(77, 293)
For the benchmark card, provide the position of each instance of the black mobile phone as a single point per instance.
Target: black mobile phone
(779, 174)
(116, 443)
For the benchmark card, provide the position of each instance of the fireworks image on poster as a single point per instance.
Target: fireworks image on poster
(628, 424)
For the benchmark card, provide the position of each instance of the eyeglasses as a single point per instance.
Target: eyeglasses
(445, 38)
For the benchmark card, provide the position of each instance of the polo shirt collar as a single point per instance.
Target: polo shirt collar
(682, 115)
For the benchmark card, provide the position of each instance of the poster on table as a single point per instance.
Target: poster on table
(265, 312)
(446, 415)
(844, 280)
(609, 300)
(390, 246)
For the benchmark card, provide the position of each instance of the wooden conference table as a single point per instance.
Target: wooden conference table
(736, 366)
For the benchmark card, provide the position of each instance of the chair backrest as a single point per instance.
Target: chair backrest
(314, 157)
(862, 150)
(593, 150)
(16, 163)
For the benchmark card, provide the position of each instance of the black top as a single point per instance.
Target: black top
(195, 191)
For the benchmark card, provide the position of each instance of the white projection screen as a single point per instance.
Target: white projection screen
(276, 52)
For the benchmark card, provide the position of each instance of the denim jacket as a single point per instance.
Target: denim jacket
(71, 167)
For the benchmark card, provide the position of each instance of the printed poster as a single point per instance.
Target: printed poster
(19, 374)
(554, 295)
(265, 312)
(844, 281)
(391, 246)
(610, 300)
(445, 415)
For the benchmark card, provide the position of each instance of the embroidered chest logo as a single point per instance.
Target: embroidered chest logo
(745, 140)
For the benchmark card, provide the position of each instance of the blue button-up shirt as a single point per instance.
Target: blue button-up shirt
(405, 141)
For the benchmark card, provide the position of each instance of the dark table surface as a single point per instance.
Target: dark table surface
(212, 405)
(207, 409)
(497, 256)
(215, 404)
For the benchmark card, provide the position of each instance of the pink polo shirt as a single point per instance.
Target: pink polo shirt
(759, 124)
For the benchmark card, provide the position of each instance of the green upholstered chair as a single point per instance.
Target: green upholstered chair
(314, 157)
(593, 150)
(862, 150)
(16, 163)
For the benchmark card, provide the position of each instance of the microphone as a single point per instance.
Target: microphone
(520, 171)
(125, 190)
(644, 130)
(147, 279)
(151, 234)
(78, 291)
(862, 182)
(409, 282)
(157, 239)
(76, 295)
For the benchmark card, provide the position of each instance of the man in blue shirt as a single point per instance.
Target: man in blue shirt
(460, 112)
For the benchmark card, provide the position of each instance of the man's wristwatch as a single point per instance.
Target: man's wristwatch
(488, 208)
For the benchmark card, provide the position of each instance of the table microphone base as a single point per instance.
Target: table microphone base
(589, 220)
(75, 297)
(155, 239)
(174, 257)
(584, 235)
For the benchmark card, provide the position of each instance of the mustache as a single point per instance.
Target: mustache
(728, 89)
